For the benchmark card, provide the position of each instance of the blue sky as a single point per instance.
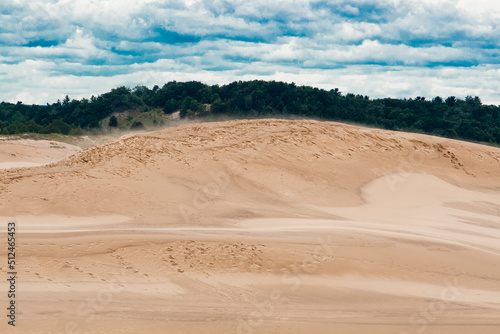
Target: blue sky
(49, 49)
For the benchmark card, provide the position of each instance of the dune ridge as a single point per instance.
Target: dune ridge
(297, 161)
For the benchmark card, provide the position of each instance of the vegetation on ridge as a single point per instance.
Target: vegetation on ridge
(457, 118)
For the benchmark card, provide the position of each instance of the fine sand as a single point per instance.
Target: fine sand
(262, 226)
(30, 153)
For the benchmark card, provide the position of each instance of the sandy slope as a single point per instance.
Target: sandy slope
(30, 153)
(265, 226)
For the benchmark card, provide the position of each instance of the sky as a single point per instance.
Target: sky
(385, 48)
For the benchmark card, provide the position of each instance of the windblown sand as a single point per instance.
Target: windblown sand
(264, 226)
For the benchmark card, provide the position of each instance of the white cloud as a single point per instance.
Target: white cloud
(85, 47)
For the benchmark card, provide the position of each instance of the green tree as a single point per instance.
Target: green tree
(57, 126)
(451, 101)
(113, 121)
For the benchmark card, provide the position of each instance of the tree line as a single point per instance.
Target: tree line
(452, 117)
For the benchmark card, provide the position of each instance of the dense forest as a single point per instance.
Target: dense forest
(451, 117)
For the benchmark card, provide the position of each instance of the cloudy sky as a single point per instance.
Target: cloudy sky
(397, 48)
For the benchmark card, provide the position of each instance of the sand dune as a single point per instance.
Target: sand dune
(263, 226)
(30, 153)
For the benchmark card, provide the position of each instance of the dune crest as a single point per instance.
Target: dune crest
(278, 162)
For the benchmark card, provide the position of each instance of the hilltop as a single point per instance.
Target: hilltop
(278, 160)
(144, 108)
